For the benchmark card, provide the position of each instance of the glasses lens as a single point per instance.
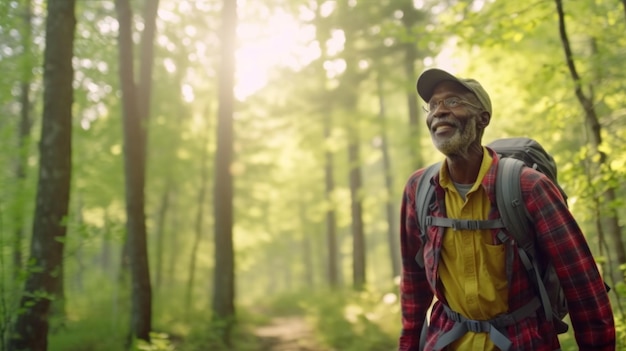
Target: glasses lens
(451, 102)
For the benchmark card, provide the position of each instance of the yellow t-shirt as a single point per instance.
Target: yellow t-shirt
(472, 267)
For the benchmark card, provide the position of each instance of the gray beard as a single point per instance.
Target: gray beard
(458, 144)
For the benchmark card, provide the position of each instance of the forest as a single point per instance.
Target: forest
(227, 175)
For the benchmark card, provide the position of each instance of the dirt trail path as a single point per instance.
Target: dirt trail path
(287, 334)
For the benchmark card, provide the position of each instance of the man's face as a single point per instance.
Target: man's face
(453, 128)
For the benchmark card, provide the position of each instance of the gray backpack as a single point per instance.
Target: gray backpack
(515, 153)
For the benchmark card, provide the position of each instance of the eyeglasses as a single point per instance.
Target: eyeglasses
(451, 102)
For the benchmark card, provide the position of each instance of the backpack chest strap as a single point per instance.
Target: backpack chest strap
(468, 224)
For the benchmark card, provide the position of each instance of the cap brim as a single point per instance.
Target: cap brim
(429, 79)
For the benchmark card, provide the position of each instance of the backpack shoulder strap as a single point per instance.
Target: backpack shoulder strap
(513, 212)
(424, 197)
(511, 203)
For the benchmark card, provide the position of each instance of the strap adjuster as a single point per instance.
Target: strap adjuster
(455, 316)
(477, 326)
(465, 224)
(473, 225)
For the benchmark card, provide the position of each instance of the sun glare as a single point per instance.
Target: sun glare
(280, 41)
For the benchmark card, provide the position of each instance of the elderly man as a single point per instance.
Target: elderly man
(471, 274)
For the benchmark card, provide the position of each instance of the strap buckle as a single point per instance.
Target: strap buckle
(465, 224)
(477, 326)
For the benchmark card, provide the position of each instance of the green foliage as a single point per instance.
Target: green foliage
(91, 332)
(280, 192)
(355, 321)
(96, 317)
(620, 331)
(158, 342)
(207, 334)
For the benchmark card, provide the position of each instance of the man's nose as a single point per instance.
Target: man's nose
(440, 109)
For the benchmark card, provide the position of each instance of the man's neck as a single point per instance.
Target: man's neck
(464, 169)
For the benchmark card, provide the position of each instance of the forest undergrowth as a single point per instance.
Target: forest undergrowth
(323, 321)
(306, 321)
(331, 320)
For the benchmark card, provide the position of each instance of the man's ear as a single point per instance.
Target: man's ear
(483, 119)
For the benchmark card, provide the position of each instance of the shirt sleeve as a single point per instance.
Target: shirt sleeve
(562, 240)
(415, 294)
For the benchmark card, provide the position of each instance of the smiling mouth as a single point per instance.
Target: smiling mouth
(442, 127)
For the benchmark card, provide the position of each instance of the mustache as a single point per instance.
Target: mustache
(444, 122)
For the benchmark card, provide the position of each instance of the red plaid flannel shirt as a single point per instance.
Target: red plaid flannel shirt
(558, 237)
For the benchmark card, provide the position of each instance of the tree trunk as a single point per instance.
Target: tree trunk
(358, 235)
(160, 235)
(198, 227)
(79, 257)
(173, 240)
(106, 247)
(306, 247)
(409, 20)
(332, 267)
(611, 221)
(146, 59)
(390, 206)
(348, 88)
(23, 136)
(30, 330)
(224, 277)
(331, 222)
(135, 114)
